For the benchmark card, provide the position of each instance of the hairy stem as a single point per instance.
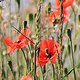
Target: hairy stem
(61, 27)
(35, 64)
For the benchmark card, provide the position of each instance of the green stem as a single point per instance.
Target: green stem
(57, 71)
(68, 73)
(44, 71)
(54, 78)
(11, 67)
(24, 57)
(73, 58)
(23, 54)
(3, 72)
(7, 68)
(18, 63)
(61, 27)
(35, 63)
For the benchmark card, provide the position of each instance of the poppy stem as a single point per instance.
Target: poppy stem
(44, 71)
(24, 57)
(3, 72)
(35, 63)
(73, 58)
(61, 27)
(57, 71)
(11, 67)
(23, 54)
(54, 78)
(38, 33)
(18, 63)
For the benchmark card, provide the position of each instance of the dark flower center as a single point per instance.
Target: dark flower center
(48, 54)
(18, 41)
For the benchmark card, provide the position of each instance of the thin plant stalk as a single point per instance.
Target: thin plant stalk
(44, 71)
(23, 54)
(24, 57)
(18, 63)
(27, 61)
(6, 69)
(57, 71)
(73, 58)
(61, 27)
(54, 77)
(3, 73)
(11, 68)
(35, 64)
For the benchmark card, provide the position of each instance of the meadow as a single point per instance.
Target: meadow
(39, 39)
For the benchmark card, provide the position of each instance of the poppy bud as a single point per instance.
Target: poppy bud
(25, 24)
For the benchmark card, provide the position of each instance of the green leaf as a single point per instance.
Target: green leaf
(68, 73)
(31, 18)
(43, 1)
(65, 70)
(49, 7)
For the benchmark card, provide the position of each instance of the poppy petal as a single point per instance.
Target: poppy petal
(54, 58)
(51, 16)
(43, 61)
(8, 49)
(43, 46)
(8, 41)
(66, 3)
(26, 31)
(56, 15)
(21, 45)
(13, 47)
(28, 77)
(50, 54)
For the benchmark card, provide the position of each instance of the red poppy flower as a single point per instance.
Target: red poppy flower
(55, 15)
(48, 51)
(28, 77)
(19, 42)
(66, 3)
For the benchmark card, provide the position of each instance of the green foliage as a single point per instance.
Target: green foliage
(65, 70)
(69, 33)
(18, 2)
(49, 7)
(69, 48)
(31, 18)
(68, 73)
(79, 18)
(42, 1)
(75, 46)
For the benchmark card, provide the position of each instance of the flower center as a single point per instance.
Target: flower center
(18, 41)
(48, 54)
